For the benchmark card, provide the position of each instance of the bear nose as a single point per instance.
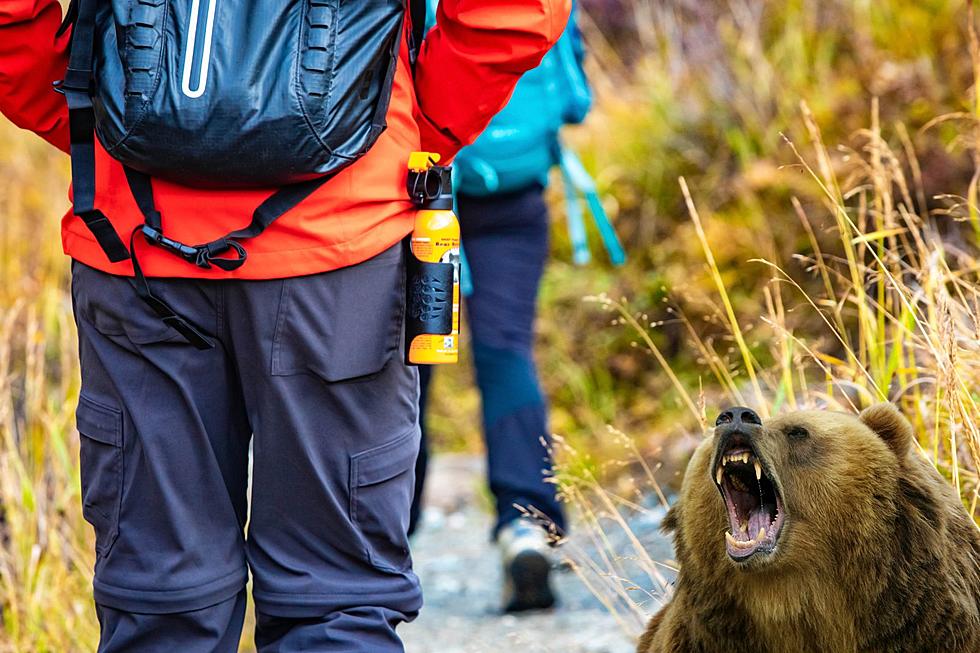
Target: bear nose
(738, 416)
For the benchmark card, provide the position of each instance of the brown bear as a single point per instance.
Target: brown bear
(818, 532)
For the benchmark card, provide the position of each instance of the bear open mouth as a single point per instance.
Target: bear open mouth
(755, 508)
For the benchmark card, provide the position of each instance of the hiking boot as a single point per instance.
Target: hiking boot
(526, 556)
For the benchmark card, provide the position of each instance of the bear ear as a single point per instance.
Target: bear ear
(890, 425)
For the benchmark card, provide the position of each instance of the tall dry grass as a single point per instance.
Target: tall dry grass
(711, 91)
(46, 549)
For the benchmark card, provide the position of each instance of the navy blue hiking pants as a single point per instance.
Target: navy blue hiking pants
(308, 371)
(506, 241)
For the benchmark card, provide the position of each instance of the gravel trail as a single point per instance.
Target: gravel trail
(461, 577)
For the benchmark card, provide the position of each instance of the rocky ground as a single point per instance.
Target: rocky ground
(460, 573)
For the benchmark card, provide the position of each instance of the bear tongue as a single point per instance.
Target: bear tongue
(748, 530)
(758, 519)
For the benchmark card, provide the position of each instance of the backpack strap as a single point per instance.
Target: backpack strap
(575, 217)
(204, 255)
(143, 193)
(416, 11)
(77, 89)
(210, 254)
(576, 177)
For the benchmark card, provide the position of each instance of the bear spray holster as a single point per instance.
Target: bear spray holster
(429, 297)
(432, 269)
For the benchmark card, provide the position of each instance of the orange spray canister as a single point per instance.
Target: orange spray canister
(432, 294)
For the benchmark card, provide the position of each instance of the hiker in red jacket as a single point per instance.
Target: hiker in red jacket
(244, 171)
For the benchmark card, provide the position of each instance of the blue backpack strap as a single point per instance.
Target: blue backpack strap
(578, 178)
(581, 254)
(577, 95)
(481, 176)
(432, 7)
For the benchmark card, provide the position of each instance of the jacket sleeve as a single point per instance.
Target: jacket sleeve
(32, 57)
(472, 59)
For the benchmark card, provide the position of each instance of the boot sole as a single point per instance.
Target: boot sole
(530, 573)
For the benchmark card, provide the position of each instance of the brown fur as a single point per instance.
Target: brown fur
(877, 554)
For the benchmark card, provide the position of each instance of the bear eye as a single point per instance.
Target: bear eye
(797, 433)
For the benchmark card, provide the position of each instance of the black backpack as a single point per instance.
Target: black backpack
(225, 94)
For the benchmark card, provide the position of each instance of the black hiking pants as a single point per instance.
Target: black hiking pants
(307, 371)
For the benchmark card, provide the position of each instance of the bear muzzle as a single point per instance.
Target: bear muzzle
(748, 487)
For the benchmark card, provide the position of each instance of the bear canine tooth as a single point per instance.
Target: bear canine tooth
(718, 476)
(744, 527)
(738, 544)
(758, 471)
(762, 534)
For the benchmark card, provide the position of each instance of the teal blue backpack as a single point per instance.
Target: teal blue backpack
(522, 143)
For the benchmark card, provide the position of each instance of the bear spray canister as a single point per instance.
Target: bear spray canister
(432, 289)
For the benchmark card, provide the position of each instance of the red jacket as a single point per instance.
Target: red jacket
(466, 71)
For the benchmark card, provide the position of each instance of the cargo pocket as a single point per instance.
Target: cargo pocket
(100, 428)
(382, 482)
(341, 325)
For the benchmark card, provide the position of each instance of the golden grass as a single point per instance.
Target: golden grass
(46, 549)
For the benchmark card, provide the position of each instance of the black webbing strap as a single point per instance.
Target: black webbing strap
(71, 15)
(208, 254)
(283, 200)
(203, 256)
(416, 10)
(170, 317)
(77, 89)
(143, 192)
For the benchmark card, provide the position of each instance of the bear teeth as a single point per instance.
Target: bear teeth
(745, 544)
(737, 457)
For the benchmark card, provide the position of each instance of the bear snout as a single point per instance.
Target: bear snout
(737, 416)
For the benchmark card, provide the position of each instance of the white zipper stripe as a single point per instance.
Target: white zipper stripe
(202, 80)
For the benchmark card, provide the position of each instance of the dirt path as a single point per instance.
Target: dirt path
(460, 574)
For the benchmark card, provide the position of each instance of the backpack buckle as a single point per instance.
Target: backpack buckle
(155, 237)
(203, 256)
